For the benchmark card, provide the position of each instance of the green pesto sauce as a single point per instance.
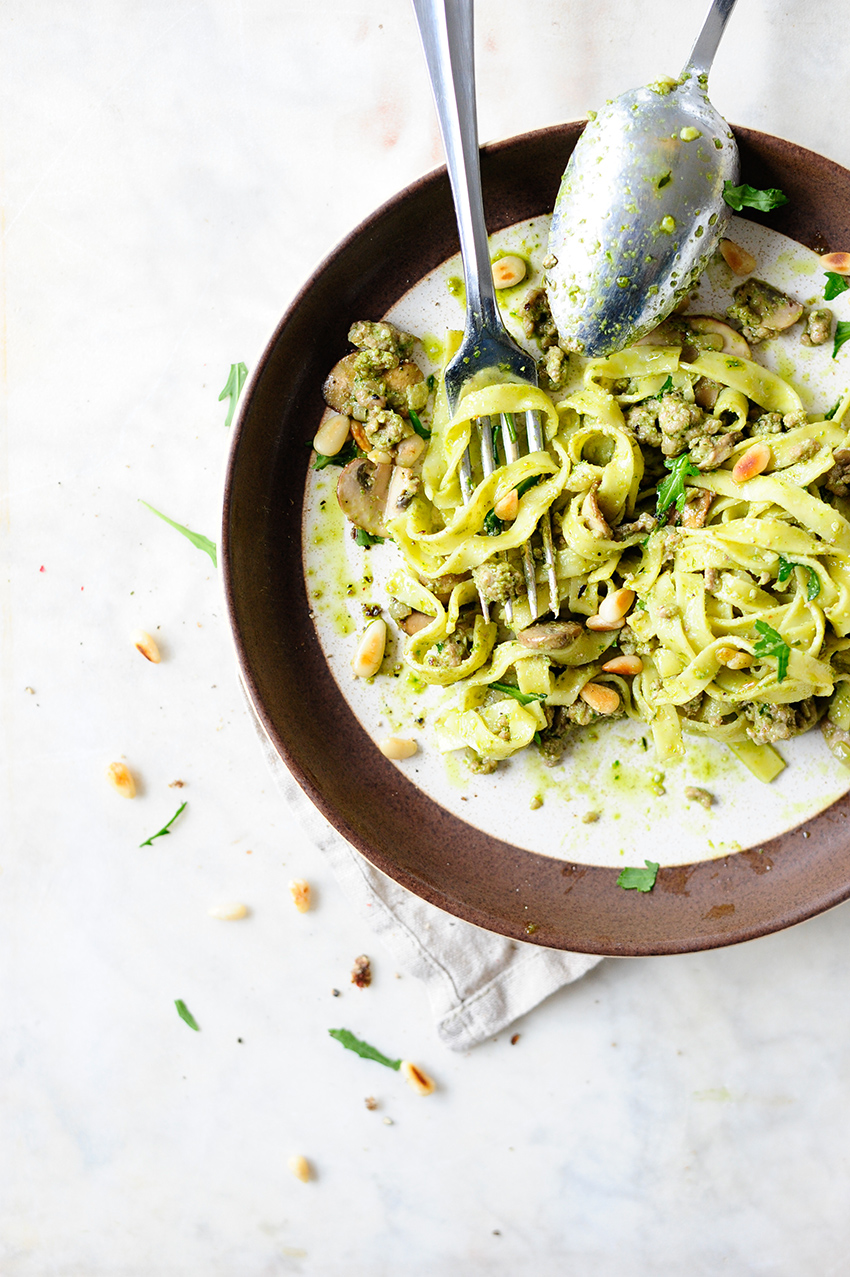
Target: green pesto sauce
(457, 288)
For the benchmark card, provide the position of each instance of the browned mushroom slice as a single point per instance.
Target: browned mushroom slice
(550, 636)
(362, 494)
(403, 487)
(406, 387)
(762, 310)
(339, 384)
(415, 622)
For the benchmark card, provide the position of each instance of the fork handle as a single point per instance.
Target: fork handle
(445, 27)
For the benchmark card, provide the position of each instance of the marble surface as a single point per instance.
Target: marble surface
(171, 174)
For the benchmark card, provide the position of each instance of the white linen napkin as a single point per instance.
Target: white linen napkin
(477, 981)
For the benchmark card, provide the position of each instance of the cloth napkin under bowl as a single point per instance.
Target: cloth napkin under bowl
(477, 981)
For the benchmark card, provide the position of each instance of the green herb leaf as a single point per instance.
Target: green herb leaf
(672, 490)
(530, 482)
(511, 424)
(787, 566)
(430, 381)
(363, 1049)
(185, 1014)
(492, 524)
(202, 542)
(166, 829)
(418, 426)
(835, 285)
(524, 698)
(348, 452)
(668, 385)
(235, 382)
(364, 538)
(842, 334)
(833, 410)
(745, 196)
(773, 644)
(639, 879)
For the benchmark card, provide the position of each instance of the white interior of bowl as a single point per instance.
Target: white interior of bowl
(610, 770)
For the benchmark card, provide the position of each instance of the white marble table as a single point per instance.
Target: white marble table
(171, 173)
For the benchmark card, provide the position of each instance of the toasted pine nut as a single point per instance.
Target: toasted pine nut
(370, 650)
(838, 262)
(417, 1078)
(331, 435)
(737, 258)
(409, 450)
(602, 699)
(753, 461)
(300, 892)
(228, 913)
(143, 643)
(734, 658)
(415, 622)
(623, 665)
(507, 506)
(379, 458)
(396, 747)
(360, 436)
(118, 775)
(615, 605)
(300, 1168)
(597, 623)
(509, 271)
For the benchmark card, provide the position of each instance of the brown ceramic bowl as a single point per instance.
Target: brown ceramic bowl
(398, 828)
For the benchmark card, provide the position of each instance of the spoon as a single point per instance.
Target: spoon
(640, 210)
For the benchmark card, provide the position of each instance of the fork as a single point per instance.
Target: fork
(487, 352)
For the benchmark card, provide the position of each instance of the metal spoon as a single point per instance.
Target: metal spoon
(640, 209)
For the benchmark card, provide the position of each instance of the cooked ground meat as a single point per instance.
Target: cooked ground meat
(837, 739)
(838, 478)
(708, 453)
(642, 421)
(640, 526)
(555, 367)
(384, 428)
(762, 310)
(779, 722)
(498, 581)
(478, 765)
(369, 335)
(818, 327)
(536, 319)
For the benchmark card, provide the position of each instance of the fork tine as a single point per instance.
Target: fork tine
(536, 443)
(512, 453)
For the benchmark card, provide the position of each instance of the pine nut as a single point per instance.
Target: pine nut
(300, 1168)
(615, 605)
(228, 913)
(300, 892)
(396, 747)
(623, 665)
(602, 699)
(508, 272)
(409, 450)
(370, 650)
(753, 462)
(143, 643)
(734, 658)
(838, 262)
(331, 436)
(597, 623)
(507, 506)
(737, 258)
(118, 775)
(417, 1078)
(380, 458)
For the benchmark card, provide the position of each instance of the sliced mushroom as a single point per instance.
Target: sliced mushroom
(733, 343)
(593, 516)
(549, 636)
(362, 494)
(399, 379)
(415, 622)
(339, 383)
(706, 392)
(404, 485)
(695, 510)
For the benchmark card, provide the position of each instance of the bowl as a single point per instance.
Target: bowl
(395, 825)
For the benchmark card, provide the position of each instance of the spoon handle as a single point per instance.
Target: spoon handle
(445, 27)
(702, 54)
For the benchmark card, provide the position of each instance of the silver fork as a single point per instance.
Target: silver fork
(487, 352)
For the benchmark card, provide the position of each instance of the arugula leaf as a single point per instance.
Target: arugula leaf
(166, 829)
(202, 542)
(431, 381)
(524, 698)
(673, 487)
(363, 1049)
(639, 879)
(827, 416)
(185, 1014)
(364, 538)
(511, 424)
(787, 566)
(418, 426)
(745, 196)
(530, 482)
(773, 644)
(668, 385)
(233, 388)
(835, 285)
(492, 524)
(348, 452)
(842, 334)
